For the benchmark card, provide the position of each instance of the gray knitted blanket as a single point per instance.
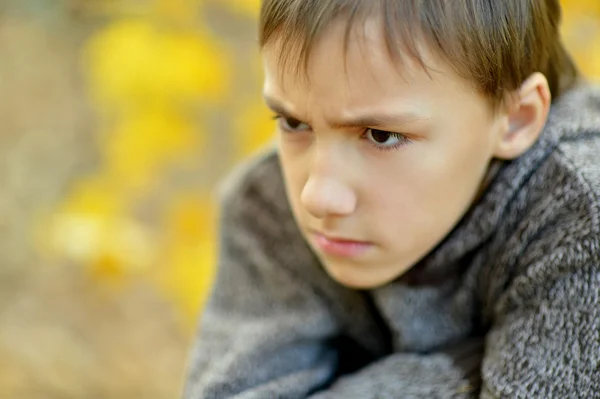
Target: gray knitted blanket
(507, 306)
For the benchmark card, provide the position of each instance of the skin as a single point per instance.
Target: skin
(387, 198)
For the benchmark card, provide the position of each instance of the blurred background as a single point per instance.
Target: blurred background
(119, 117)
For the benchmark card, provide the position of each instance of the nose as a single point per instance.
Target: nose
(324, 196)
(326, 193)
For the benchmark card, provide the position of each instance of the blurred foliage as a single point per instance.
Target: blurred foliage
(581, 31)
(150, 71)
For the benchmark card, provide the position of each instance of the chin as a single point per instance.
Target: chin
(359, 280)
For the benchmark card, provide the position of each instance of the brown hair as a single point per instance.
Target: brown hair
(496, 44)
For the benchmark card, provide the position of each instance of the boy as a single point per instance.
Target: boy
(429, 225)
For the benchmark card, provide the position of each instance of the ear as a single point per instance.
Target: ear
(527, 116)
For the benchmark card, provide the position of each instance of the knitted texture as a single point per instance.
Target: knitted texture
(506, 306)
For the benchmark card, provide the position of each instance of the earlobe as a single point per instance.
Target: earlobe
(527, 117)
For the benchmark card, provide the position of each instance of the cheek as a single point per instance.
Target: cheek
(397, 202)
(414, 201)
(455, 160)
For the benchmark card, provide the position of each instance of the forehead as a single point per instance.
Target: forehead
(356, 71)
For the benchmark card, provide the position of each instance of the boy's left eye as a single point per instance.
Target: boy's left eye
(385, 140)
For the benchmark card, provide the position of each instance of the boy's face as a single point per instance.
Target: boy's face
(380, 161)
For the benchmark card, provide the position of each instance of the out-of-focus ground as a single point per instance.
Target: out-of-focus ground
(117, 119)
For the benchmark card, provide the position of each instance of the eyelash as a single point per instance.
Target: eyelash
(403, 140)
(279, 118)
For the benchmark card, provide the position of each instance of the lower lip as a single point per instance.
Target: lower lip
(347, 249)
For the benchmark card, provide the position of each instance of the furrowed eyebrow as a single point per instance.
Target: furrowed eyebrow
(278, 107)
(378, 120)
(374, 120)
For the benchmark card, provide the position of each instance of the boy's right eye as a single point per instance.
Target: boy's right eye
(291, 125)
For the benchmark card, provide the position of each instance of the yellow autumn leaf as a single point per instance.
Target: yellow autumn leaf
(581, 27)
(189, 219)
(244, 7)
(131, 63)
(182, 12)
(186, 271)
(187, 276)
(144, 144)
(197, 67)
(125, 248)
(586, 6)
(93, 229)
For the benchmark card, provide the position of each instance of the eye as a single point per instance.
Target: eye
(385, 140)
(291, 125)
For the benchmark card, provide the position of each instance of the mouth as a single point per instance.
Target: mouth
(340, 247)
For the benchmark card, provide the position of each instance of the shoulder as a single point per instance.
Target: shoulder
(567, 207)
(573, 173)
(566, 186)
(557, 210)
(579, 157)
(550, 229)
